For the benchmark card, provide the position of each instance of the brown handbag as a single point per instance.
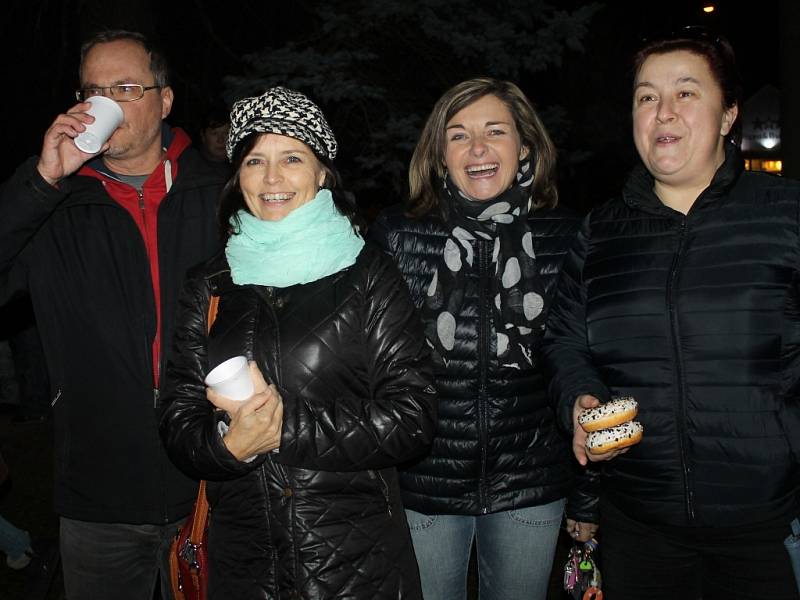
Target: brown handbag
(188, 555)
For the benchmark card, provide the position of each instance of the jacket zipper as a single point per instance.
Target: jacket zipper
(373, 474)
(680, 402)
(262, 477)
(267, 294)
(483, 357)
(140, 197)
(156, 375)
(114, 203)
(157, 364)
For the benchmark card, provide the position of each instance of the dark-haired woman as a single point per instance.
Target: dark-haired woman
(302, 479)
(480, 245)
(684, 294)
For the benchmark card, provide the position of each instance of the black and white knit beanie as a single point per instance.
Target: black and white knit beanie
(285, 112)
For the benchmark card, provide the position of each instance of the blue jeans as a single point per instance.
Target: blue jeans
(13, 541)
(115, 561)
(515, 552)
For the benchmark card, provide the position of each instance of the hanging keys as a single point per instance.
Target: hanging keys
(597, 580)
(582, 578)
(586, 565)
(593, 594)
(571, 569)
(587, 569)
(570, 576)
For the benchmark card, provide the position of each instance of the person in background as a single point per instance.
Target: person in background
(480, 243)
(25, 370)
(101, 243)
(16, 544)
(214, 135)
(302, 476)
(683, 294)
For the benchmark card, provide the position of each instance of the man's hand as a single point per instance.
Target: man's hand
(60, 156)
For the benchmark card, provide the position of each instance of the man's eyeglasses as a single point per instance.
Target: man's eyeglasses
(122, 92)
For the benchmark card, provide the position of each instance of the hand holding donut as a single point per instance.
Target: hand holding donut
(602, 431)
(579, 435)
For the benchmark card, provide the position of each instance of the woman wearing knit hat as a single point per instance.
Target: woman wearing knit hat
(301, 476)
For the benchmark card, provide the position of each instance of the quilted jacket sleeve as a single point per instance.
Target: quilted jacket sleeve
(189, 423)
(790, 411)
(583, 500)
(396, 420)
(26, 201)
(565, 351)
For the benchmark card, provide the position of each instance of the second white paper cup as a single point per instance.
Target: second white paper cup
(231, 379)
(108, 116)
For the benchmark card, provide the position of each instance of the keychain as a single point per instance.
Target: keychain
(582, 578)
(571, 569)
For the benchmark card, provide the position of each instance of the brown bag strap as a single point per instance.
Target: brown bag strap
(200, 517)
(213, 306)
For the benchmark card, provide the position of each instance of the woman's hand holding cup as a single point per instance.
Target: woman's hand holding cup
(256, 423)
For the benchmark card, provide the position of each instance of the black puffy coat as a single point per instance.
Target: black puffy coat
(497, 446)
(321, 518)
(698, 317)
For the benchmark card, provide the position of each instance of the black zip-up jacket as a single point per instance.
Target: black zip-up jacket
(82, 258)
(320, 518)
(497, 446)
(698, 318)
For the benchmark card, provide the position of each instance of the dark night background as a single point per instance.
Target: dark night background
(376, 67)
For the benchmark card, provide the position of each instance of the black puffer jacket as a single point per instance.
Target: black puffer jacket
(698, 318)
(322, 517)
(497, 446)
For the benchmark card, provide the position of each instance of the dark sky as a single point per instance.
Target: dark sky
(206, 39)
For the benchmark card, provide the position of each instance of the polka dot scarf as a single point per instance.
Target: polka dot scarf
(517, 291)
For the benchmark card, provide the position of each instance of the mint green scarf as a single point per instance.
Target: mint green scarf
(311, 242)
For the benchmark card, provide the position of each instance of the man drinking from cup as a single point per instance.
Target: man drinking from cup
(101, 242)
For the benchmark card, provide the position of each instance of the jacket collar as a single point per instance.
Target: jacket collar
(194, 172)
(173, 141)
(638, 190)
(218, 274)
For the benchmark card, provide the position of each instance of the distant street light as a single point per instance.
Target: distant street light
(709, 8)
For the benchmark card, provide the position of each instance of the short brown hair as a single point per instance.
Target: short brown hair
(158, 63)
(428, 161)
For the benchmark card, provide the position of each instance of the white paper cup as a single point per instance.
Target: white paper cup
(231, 379)
(107, 117)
